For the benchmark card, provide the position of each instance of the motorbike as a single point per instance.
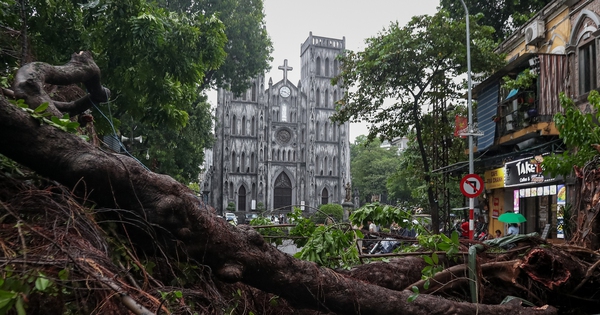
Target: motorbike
(482, 234)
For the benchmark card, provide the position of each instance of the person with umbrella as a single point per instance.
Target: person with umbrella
(513, 219)
(513, 229)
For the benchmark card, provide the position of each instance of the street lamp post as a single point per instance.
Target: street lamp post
(470, 131)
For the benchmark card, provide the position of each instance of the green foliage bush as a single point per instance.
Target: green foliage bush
(230, 207)
(334, 210)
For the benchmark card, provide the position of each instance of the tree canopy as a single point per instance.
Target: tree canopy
(404, 70)
(582, 146)
(158, 60)
(505, 16)
(248, 46)
(370, 167)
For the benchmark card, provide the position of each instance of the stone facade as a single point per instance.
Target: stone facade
(275, 144)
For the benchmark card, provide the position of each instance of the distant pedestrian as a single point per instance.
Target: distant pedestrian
(498, 233)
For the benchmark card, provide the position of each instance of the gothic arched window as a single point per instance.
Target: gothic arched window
(324, 197)
(336, 67)
(242, 198)
(234, 125)
(233, 162)
(318, 66)
(318, 98)
(284, 112)
(334, 166)
(243, 162)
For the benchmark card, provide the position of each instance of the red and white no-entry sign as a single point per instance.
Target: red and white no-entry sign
(471, 185)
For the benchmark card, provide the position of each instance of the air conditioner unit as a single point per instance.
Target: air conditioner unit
(534, 32)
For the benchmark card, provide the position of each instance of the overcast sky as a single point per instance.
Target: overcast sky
(289, 23)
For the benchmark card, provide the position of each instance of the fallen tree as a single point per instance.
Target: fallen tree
(157, 208)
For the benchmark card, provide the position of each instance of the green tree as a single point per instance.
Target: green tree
(248, 48)
(370, 167)
(582, 146)
(157, 60)
(179, 153)
(405, 186)
(505, 16)
(331, 209)
(408, 67)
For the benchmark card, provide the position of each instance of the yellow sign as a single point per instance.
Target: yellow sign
(494, 178)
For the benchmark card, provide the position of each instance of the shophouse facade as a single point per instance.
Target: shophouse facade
(560, 46)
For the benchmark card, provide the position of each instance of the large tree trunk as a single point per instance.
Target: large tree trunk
(185, 227)
(587, 228)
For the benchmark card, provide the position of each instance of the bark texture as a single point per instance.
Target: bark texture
(587, 228)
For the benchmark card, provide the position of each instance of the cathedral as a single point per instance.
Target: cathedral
(275, 146)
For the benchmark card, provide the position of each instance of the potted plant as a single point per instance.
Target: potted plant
(530, 98)
(523, 82)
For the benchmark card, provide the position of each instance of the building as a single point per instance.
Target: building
(559, 45)
(399, 144)
(275, 145)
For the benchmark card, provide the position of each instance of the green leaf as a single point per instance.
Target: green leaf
(415, 289)
(412, 297)
(179, 294)
(56, 120)
(435, 258)
(19, 306)
(426, 284)
(72, 125)
(6, 297)
(444, 246)
(41, 108)
(428, 260)
(454, 237)
(42, 283)
(63, 274)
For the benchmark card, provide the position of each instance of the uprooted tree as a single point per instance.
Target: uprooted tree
(164, 222)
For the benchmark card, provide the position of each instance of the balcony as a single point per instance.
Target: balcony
(518, 112)
(507, 120)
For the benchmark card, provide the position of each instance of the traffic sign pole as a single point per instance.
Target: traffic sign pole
(471, 186)
(471, 218)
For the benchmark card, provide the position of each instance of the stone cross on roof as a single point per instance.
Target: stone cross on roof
(285, 69)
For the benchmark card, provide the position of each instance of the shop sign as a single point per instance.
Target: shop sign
(494, 178)
(495, 213)
(525, 172)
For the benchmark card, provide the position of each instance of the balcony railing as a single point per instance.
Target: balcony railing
(518, 112)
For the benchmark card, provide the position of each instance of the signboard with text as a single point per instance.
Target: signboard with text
(525, 172)
(494, 178)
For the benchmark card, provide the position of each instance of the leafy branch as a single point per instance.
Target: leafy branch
(44, 117)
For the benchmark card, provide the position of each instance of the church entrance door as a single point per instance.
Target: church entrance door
(282, 196)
